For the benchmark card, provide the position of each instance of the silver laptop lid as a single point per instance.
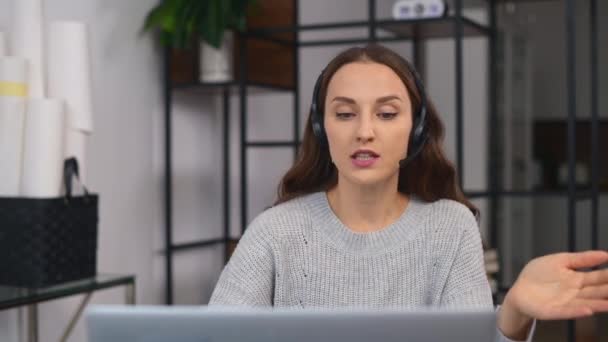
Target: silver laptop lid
(206, 324)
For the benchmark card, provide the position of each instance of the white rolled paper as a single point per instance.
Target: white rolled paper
(13, 77)
(70, 72)
(27, 42)
(12, 113)
(42, 168)
(3, 47)
(76, 146)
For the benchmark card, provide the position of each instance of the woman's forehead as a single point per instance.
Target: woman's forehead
(367, 80)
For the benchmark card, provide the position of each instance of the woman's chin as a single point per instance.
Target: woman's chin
(368, 179)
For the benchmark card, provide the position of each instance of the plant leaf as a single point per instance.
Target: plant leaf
(180, 20)
(209, 27)
(182, 35)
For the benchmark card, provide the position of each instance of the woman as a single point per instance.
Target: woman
(371, 215)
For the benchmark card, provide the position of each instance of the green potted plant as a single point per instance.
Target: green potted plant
(209, 21)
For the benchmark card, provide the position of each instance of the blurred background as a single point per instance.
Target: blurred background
(186, 151)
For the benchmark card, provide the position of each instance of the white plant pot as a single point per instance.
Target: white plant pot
(216, 64)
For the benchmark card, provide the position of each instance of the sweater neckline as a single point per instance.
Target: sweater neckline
(327, 222)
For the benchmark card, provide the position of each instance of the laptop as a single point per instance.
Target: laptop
(211, 324)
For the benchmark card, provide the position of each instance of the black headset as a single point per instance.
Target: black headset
(418, 136)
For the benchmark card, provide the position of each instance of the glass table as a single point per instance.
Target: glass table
(13, 297)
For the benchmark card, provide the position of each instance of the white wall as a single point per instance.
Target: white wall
(8, 319)
(123, 163)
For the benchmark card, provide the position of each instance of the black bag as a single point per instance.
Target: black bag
(48, 241)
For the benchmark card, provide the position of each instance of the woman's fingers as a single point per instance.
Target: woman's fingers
(566, 312)
(594, 292)
(595, 278)
(587, 259)
(597, 305)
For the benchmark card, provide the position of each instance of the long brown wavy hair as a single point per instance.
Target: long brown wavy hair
(430, 175)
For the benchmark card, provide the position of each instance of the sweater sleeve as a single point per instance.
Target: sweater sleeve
(467, 285)
(248, 278)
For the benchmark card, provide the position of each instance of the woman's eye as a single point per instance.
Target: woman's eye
(344, 115)
(387, 115)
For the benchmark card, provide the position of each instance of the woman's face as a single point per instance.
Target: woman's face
(368, 121)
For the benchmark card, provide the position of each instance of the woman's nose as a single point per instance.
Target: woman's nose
(365, 130)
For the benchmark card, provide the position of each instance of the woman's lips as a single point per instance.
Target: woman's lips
(364, 162)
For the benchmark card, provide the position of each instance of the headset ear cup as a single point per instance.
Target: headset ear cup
(414, 149)
(316, 129)
(317, 126)
(416, 134)
(316, 116)
(418, 137)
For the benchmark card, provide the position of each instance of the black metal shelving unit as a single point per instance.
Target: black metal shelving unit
(573, 194)
(454, 26)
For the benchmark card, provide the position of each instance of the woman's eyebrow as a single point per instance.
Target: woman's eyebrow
(382, 99)
(388, 98)
(344, 99)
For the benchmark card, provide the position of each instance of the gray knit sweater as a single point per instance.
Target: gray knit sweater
(299, 254)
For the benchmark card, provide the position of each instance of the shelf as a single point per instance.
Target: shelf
(389, 30)
(432, 28)
(11, 297)
(481, 3)
(426, 28)
(200, 243)
(524, 1)
(232, 86)
(271, 144)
